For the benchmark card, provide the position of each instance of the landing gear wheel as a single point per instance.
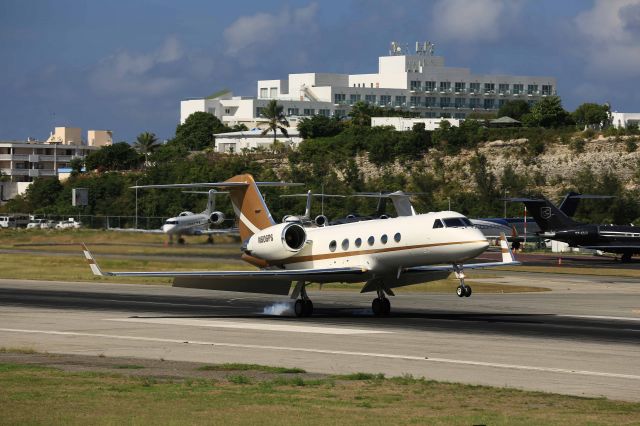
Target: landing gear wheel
(210, 240)
(180, 240)
(377, 306)
(467, 292)
(307, 309)
(386, 306)
(460, 291)
(298, 308)
(626, 257)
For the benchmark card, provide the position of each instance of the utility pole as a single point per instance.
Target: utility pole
(136, 204)
(505, 203)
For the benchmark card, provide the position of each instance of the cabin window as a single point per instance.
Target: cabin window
(358, 242)
(397, 237)
(437, 224)
(345, 244)
(384, 238)
(332, 245)
(371, 240)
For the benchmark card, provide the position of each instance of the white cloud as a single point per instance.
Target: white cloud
(610, 32)
(138, 74)
(251, 35)
(472, 21)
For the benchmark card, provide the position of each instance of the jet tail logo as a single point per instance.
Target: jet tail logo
(545, 212)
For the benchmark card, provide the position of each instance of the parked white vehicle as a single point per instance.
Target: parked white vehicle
(35, 224)
(68, 224)
(14, 221)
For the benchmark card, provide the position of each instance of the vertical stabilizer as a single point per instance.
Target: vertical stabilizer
(547, 216)
(249, 206)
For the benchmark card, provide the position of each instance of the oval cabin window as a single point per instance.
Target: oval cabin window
(332, 245)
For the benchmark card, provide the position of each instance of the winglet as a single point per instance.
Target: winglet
(507, 254)
(92, 262)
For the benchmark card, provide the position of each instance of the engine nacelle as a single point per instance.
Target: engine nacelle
(277, 242)
(216, 218)
(321, 220)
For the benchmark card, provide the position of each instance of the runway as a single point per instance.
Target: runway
(582, 338)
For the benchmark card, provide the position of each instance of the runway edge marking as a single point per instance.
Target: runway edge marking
(333, 352)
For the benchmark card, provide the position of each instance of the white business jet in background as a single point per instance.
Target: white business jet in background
(383, 253)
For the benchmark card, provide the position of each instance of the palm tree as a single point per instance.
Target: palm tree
(275, 119)
(146, 143)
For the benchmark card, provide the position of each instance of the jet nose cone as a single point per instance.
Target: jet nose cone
(167, 228)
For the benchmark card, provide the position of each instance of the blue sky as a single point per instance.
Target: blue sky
(125, 65)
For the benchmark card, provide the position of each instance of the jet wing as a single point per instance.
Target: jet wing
(320, 275)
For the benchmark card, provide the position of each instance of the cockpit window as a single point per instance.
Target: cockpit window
(171, 222)
(457, 222)
(437, 224)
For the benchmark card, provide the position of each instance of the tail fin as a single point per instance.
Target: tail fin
(547, 216)
(569, 204)
(211, 202)
(249, 206)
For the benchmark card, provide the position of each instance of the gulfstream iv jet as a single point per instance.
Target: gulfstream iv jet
(382, 253)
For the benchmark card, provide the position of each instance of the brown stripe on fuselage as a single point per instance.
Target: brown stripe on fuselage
(325, 256)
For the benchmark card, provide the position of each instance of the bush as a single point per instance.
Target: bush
(577, 145)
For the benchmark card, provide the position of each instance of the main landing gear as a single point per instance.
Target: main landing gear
(381, 305)
(303, 307)
(462, 290)
(626, 257)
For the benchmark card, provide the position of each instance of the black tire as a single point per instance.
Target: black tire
(468, 291)
(307, 308)
(386, 306)
(626, 257)
(298, 308)
(376, 307)
(460, 291)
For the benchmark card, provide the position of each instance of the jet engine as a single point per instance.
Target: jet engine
(321, 220)
(277, 242)
(216, 218)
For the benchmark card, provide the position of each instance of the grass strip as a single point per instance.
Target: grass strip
(39, 395)
(250, 367)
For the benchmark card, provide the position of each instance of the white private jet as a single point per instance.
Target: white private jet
(384, 253)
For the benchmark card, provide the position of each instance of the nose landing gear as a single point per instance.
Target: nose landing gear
(462, 290)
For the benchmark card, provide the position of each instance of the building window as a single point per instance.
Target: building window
(385, 100)
(430, 115)
(401, 101)
(371, 240)
(459, 115)
(339, 98)
(384, 239)
(414, 101)
(264, 92)
(227, 110)
(503, 88)
(430, 102)
(547, 89)
(429, 86)
(353, 98)
(324, 112)
(259, 111)
(416, 85)
(292, 111)
(489, 103)
(370, 99)
(474, 102)
(460, 86)
(501, 102)
(397, 237)
(445, 102)
(333, 245)
(532, 89)
(308, 111)
(274, 92)
(489, 88)
(459, 102)
(518, 89)
(339, 113)
(345, 244)
(445, 86)
(474, 87)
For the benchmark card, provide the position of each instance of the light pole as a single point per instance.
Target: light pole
(136, 204)
(505, 203)
(449, 199)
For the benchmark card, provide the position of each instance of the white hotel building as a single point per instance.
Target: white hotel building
(418, 82)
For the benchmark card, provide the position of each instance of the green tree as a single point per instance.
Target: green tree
(43, 192)
(198, 130)
(76, 165)
(319, 126)
(119, 156)
(592, 115)
(548, 113)
(276, 119)
(514, 109)
(361, 113)
(146, 143)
